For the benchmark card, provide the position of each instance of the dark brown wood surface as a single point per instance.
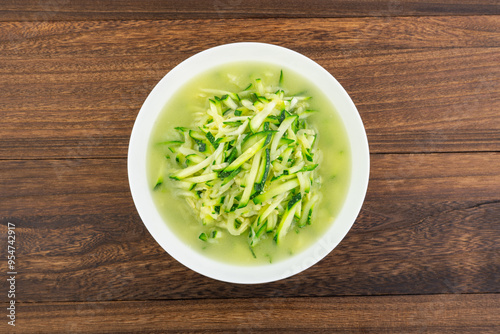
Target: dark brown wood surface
(228, 9)
(421, 84)
(86, 227)
(451, 314)
(424, 253)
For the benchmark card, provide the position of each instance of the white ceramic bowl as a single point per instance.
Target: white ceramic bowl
(199, 63)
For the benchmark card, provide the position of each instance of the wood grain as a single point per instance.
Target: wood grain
(423, 255)
(384, 314)
(80, 238)
(188, 9)
(420, 84)
(95, 39)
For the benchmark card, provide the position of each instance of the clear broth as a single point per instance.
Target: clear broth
(334, 168)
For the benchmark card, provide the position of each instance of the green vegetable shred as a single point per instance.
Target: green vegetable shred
(248, 164)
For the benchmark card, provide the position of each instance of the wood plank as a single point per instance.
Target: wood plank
(156, 9)
(95, 39)
(429, 225)
(420, 86)
(384, 314)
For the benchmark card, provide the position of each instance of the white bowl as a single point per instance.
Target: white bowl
(256, 52)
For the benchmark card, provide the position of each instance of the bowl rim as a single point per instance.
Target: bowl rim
(181, 74)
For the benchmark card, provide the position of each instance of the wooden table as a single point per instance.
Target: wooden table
(424, 253)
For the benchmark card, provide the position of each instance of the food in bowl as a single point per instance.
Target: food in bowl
(249, 163)
(343, 167)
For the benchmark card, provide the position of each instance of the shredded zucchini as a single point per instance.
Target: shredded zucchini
(248, 164)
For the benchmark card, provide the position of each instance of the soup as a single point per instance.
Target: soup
(333, 167)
